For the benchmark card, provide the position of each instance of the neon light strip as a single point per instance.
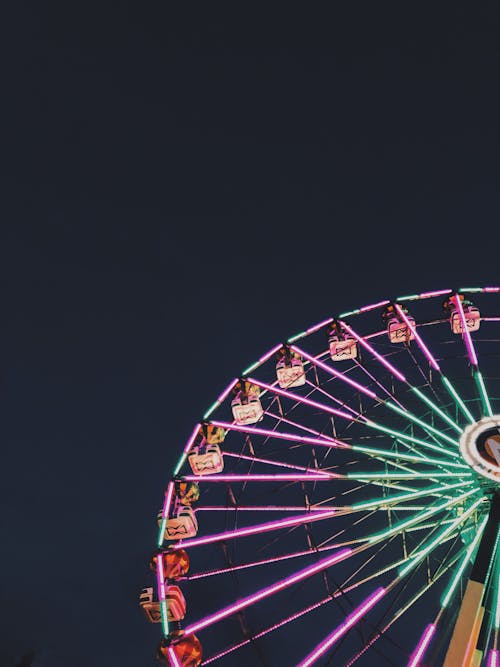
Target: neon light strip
(327, 442)
(351, 620)
(368, 347)
(453, 393)
(281, 464)
(300, 399)
(173, 658)
(285, 477)
(268, 591)
(404, 436)
(482, 390)
(310, 330)
(468, 555)
(465, 332)
(424, 295)
(439, 538)
(187, 447)
(386, 453)
(253, 530)
(418, 338)
(433, 510)
(436, 409)
(365, 309)
(424, 425)
(336, 374)
(404, 475)
(264, 358)
(422, 645)
(164, 514)
(493, 658)
(162, 594)
(405, 496)
(224, 395)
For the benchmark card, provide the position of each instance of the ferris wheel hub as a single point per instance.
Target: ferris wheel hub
(480, 447)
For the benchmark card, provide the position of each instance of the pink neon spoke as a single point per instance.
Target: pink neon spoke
(466, 333)
(267, 591)
(324, 441)
(377, 356)
(160, 576)
(173, 657)
(285, 477)
(258, 563)
(253, 530)
(168, 500)
(271, 628)
(422, 645)
(281, 464)
(320, 325)
(493, 658)
(351, 620)
(300, 399)
(263, 508)
(418, 338)
(335, 373)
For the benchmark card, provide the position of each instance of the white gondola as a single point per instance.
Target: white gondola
(206, 462)
(342, 349)
(400, 332)
(150, 607)
(472, 319)
(182, 526)
(290, 374)
(176, 604)
(247, 408)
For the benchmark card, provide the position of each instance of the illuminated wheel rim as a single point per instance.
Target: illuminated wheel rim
(344, 523)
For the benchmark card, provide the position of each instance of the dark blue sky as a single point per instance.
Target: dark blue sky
(182, 189)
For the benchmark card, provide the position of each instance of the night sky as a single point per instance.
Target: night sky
(184, 187)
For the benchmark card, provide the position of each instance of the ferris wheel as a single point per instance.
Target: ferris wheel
(338, 504)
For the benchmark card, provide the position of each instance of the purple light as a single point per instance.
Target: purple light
(168, 500)
(351, 620)
(315, 327)
(492, 289)
(378, 356)
(422, 645)
(252, 530)
(300, 399)
(439, 292)
(266, 592)
(372, 306)
(284, 477)
(418, 338)
(327, 442)
(261, 508)
(493, 658)
(335, 373)
(466, 333)
(281, 464)
(173, 657)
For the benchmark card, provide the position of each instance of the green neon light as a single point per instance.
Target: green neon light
(404, 496)
(497, 607)
(436, 409)
(161, 533)
(410, 522)
(405, 456)
(164, 617)
(422, 554)
(404, 436)
(405, 475)
(410, 297)
(453, 393)
(470, 289)
(484, 396)
(424, 425)
(296, 337)
(180, 463)
(210, 410)
(468, 555)
(349, 312)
